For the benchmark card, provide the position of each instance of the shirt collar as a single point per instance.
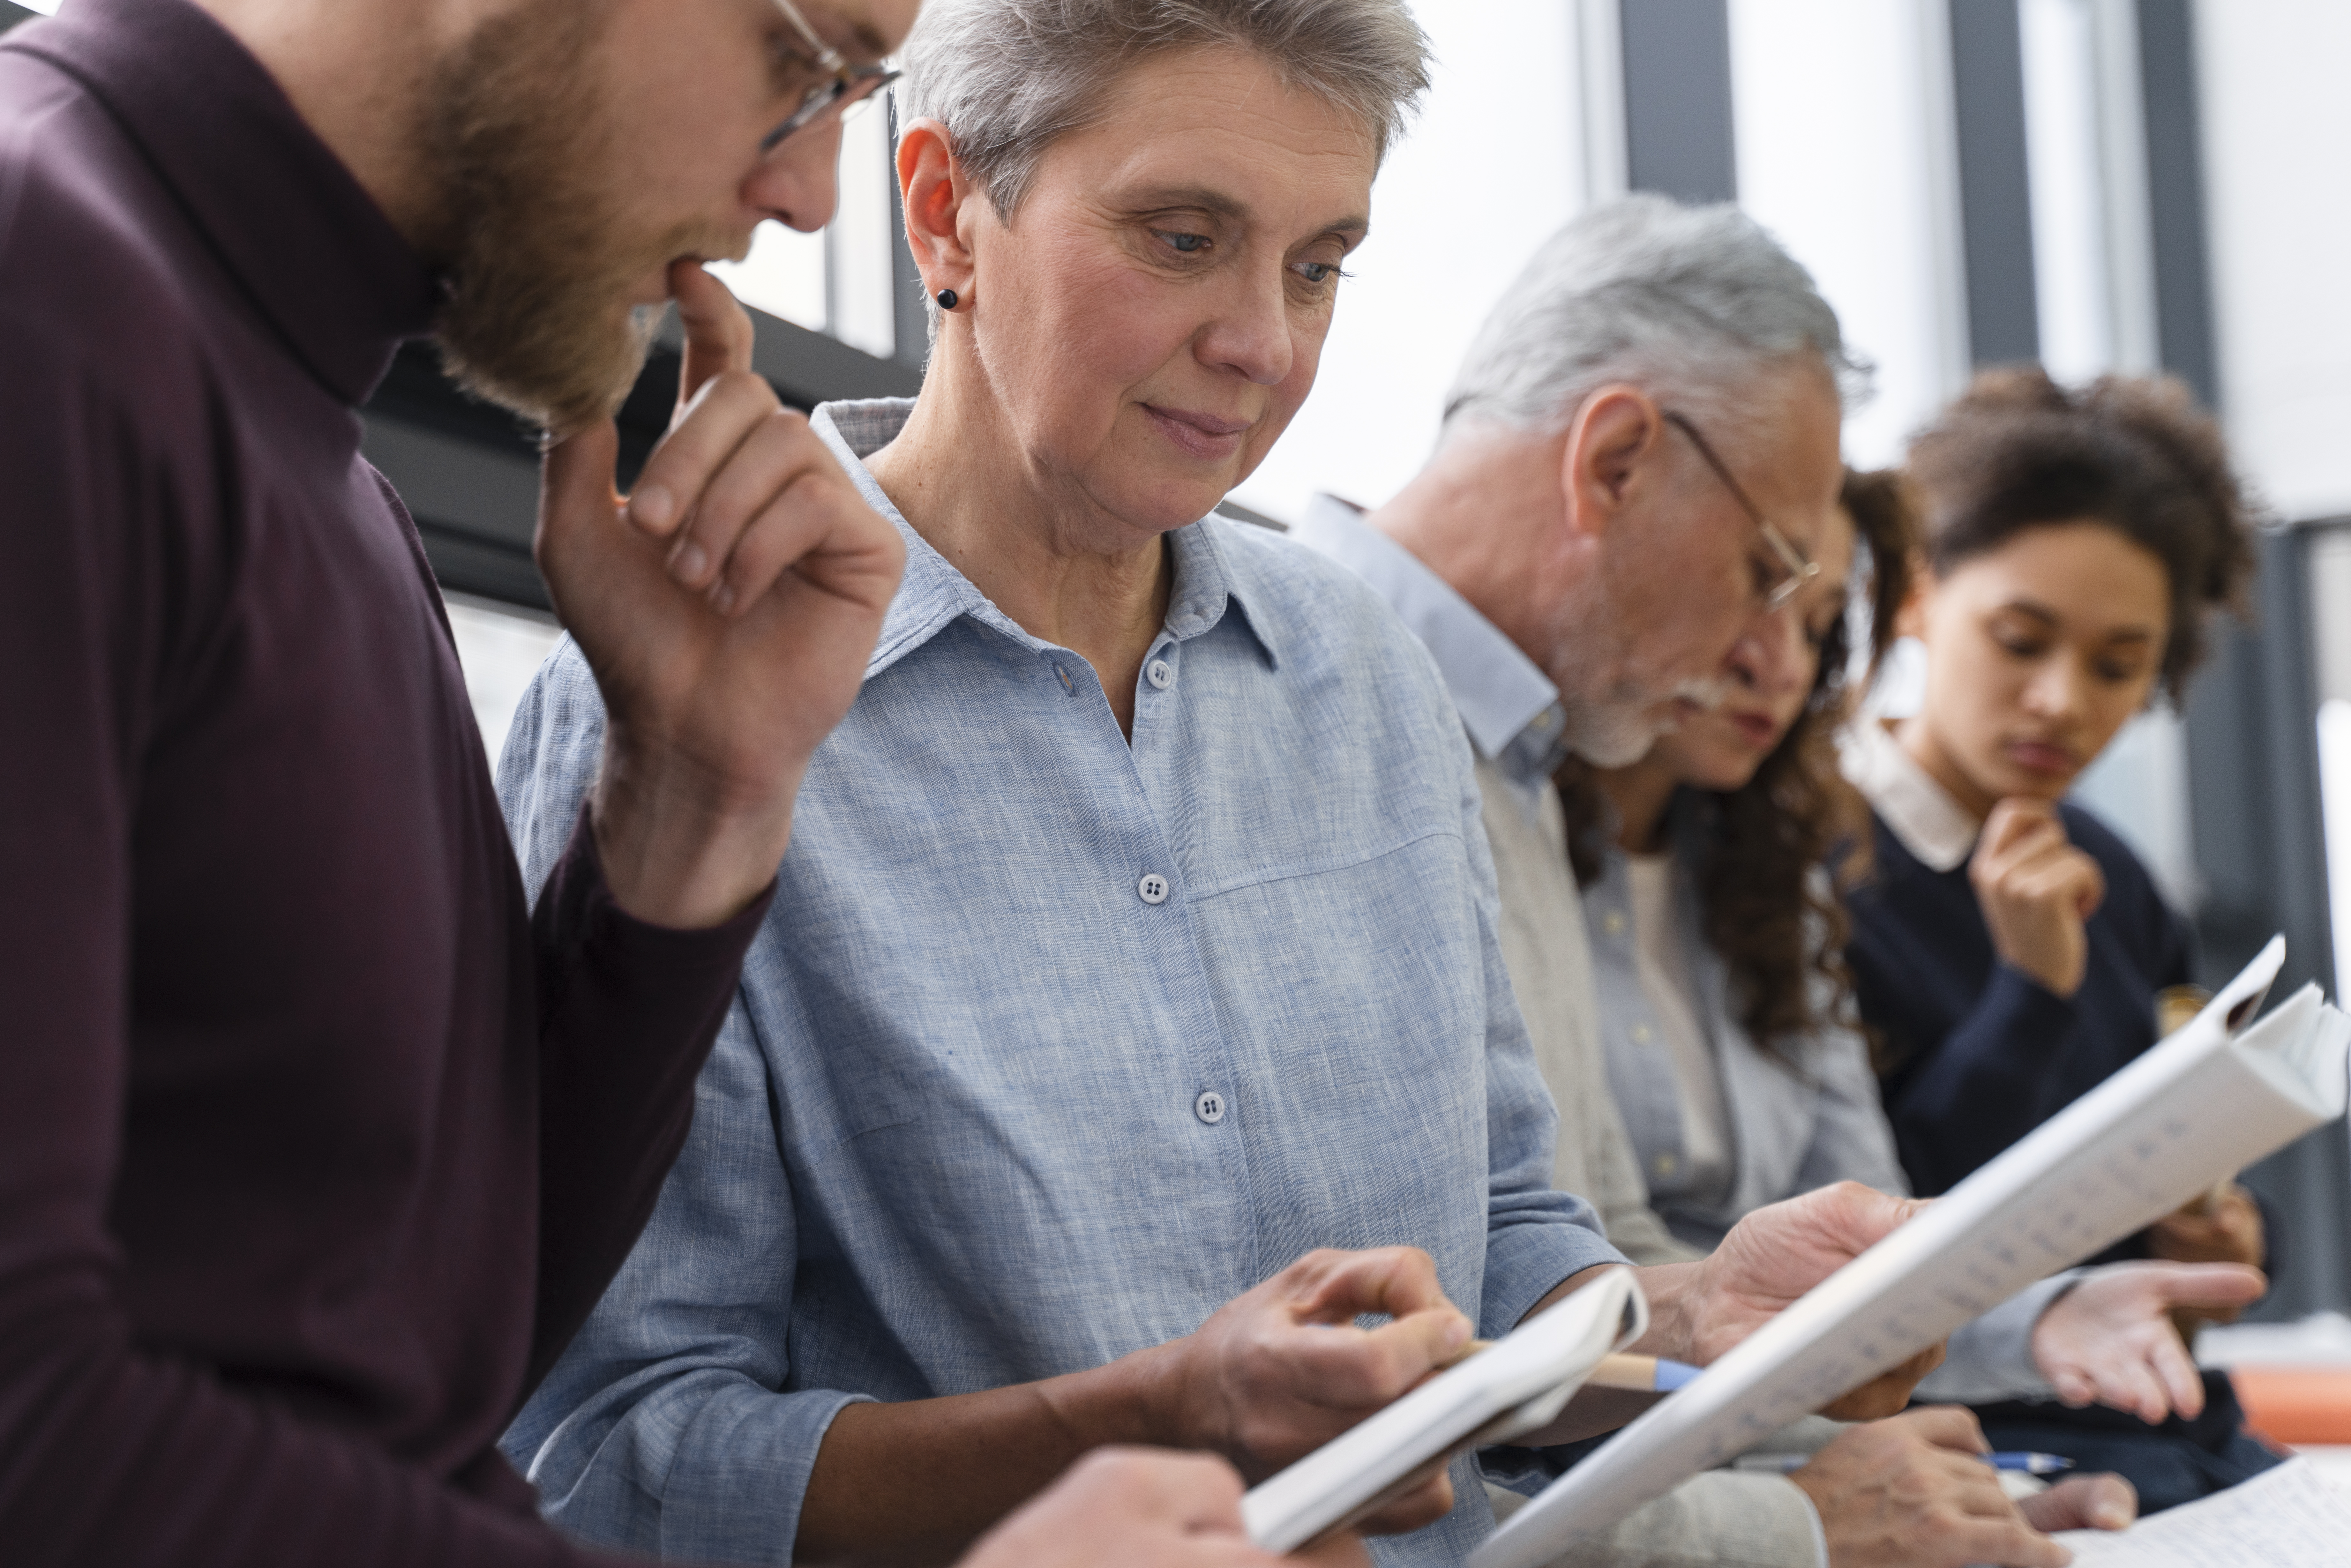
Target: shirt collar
(1937, 831)
(1509, 707)
(316, 256)
(933, 593)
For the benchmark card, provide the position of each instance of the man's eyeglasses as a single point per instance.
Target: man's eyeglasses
(1796, 567)
(843, 84)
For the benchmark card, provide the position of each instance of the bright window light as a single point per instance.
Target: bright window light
(501, 648)
(1846, 153)
(1494, 164)
(784, 275)
(860, 299)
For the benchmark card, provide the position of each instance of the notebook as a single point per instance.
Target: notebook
(1514, 1385)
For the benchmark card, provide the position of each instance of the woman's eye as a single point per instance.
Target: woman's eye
(2116, 674)
(1182, 243)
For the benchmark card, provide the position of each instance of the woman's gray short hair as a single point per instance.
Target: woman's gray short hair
(1009, 77)
(1692, 304)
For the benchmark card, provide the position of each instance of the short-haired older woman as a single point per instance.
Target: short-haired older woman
(1137, 933)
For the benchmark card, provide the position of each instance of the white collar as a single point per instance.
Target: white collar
(1937, 830)
(1504, 698)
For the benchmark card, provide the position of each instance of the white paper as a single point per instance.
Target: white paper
(1513, 1385)
(2283, 1518)
(2199, 1105)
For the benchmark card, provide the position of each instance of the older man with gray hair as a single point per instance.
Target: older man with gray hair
(1638, 456)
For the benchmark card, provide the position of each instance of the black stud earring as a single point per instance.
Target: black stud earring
(947, 298)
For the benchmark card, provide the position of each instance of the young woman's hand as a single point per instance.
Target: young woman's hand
(2110, 1340)
(2036, 890)
(2226, 1228)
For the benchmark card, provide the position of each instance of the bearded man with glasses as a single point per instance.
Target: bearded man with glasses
(316, 1142)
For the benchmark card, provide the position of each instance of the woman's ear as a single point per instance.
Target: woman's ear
(1612, 436)
(933, 189)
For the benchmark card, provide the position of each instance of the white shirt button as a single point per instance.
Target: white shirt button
(1209, 1107)
(1641, 1033)
(1665, 1165)
(1159, 675)
(1613, 924)
(1153, 887)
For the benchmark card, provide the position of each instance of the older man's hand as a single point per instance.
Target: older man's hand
(1279, 1372)
(1912, 1492)
(727, 609)
(1775, 1255)
(1142, 1508)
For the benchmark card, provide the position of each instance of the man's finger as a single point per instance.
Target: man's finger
(2083, 1502)
(1953, 1427)
(2008, 1542)
(725, 411)
(719, 330)
(769, 464)
(1357, 1369)
(1888, 1392)
(1397, 1280)
(813, 525)
(575, 487)
(1857, 1218)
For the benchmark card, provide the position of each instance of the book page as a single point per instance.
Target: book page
(2200, 1105)
(2284, 1518)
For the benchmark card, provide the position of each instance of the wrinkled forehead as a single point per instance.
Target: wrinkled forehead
(1216, 130)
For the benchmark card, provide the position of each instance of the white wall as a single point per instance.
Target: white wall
(1496, 163)
(2277, 156)
(1846, 153)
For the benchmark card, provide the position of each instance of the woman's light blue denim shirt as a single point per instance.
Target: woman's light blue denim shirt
(1051, 1046)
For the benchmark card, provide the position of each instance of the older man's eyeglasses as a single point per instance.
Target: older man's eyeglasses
(1790, 567)
(843, 84)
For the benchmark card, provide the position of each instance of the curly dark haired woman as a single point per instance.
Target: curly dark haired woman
(2009, 950)
(1716, 936)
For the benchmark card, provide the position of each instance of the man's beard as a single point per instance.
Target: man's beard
(539, 248)
(1616, 707)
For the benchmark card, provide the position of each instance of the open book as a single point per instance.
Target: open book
(2199, 1105)
(2284, 1518)
(1513, 1385)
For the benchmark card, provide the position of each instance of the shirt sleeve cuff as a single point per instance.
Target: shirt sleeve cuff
(1525, 1263)
(730, 1491)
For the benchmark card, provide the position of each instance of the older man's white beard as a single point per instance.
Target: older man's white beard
(1614, 720)
(1619, 730)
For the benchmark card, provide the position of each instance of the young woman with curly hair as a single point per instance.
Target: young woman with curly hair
(1716, 936)
(2009, 950)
